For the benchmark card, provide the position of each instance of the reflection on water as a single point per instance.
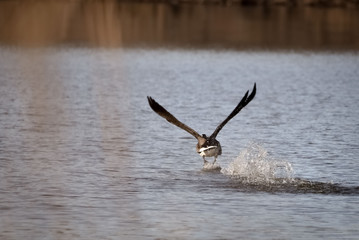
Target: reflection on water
(114, 24)
(29, 23)
(57, 169)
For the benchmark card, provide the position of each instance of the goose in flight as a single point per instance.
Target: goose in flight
(206, 146)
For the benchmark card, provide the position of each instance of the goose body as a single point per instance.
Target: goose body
(206, 146)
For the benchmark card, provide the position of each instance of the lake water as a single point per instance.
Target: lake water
(84, 157)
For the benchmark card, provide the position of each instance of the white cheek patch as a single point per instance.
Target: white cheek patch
(207, 151)
(206, 148)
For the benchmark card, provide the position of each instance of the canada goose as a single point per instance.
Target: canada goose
(206, 146)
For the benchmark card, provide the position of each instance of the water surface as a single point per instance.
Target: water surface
(84, 157)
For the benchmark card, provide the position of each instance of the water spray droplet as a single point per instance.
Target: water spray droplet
(255, 165)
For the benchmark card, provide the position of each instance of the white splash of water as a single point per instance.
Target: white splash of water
(208, 166)
(255, 165)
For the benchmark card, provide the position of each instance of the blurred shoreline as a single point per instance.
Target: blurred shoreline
(174, 23)
(290, 3)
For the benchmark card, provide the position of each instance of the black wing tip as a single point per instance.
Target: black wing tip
(156, 107)
(253, 93)
(150, 99)
(153, 104)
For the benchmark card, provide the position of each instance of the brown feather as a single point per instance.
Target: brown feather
(170, 118)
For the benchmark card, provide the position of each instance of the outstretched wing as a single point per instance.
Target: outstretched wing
(169, 117)
(245, 100)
